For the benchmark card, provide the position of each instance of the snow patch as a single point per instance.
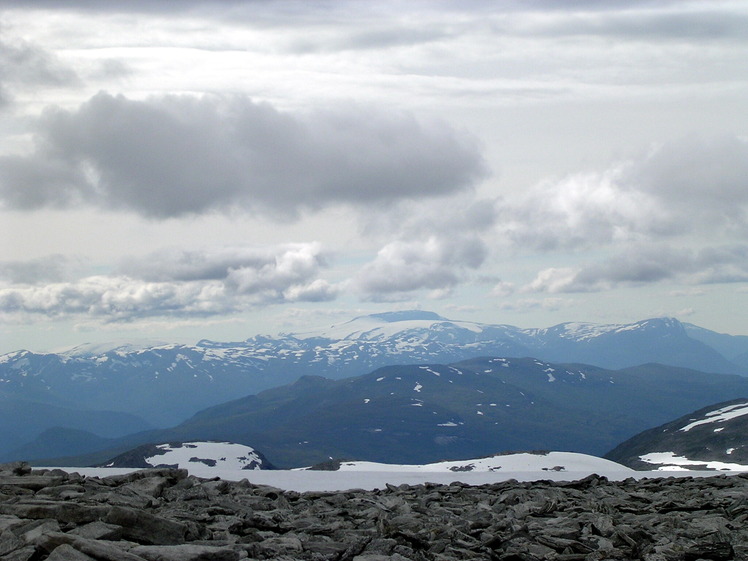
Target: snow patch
(668, 461)
(213, 455)
(719, 416)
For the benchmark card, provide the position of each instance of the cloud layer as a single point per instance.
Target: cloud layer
(180, 284)
(180, 155)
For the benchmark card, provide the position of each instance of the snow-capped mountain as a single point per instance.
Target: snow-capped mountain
(202, 457)
(166, 383)
(712, 438)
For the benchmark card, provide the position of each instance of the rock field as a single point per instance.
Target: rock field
(166, 515)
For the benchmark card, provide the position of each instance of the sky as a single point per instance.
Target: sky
(220, 169)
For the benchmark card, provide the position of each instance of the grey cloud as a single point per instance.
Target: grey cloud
(53, 268)
(220, 263)
(22, 63)
(175, 156)
(692, 186)
(696, 179)
(656, 24)
(644, 265)
(436, 263)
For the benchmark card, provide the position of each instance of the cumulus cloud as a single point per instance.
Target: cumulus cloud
(693, 186)
(180, 155)
(648, 264)
(201, 284)
(436, 263)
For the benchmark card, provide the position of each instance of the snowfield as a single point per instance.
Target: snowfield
(213, 455)
(524, 462)
(555, 466)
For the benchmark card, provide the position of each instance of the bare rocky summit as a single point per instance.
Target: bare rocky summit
(166, 515)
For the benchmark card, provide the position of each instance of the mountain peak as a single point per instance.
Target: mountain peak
(407, 315)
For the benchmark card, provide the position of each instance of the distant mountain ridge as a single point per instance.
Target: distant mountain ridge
(167, 383)
(422, 413)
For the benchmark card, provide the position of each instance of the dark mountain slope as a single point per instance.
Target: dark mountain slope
(714, 437)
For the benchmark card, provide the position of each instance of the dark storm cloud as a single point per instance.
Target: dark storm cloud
(180, 155)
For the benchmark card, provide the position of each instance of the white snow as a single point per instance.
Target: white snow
(121, 346)
(720, 415)
(370, 475)
(226, 455)
(669, 460)
(372, 328)
(523, 462)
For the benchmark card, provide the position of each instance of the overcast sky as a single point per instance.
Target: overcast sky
(203, 169)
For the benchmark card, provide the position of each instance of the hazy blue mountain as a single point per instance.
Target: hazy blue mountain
(21, 421)
(712, 438)
(166, 383)
(58, 441)
(423, 413)
(732, 347)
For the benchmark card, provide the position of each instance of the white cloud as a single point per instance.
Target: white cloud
(436, 264)
(201, 283)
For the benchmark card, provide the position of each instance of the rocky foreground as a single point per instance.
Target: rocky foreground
(166, 515)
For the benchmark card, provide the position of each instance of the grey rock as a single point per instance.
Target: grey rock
(98, 531)
(186, 552)
(146, 528)
(197, 520)
(67, 552)
(9, 542)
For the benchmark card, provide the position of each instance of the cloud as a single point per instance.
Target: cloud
(22, 63)
(692, 186)
(533, 304)
(709, 22)
(53, 268)
(201, 284)
(436, 263)
(184, 155)
(648, 264)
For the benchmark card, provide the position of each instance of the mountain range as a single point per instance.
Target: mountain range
(163, 385)
(416, 414)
